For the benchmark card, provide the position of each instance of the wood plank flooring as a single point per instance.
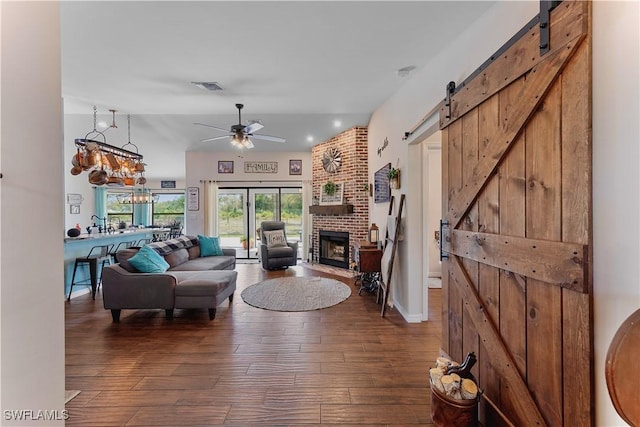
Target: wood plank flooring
(344, 365)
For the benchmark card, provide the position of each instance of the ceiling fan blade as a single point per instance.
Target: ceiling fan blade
(214, 139)
(252, 128)
(269, 138)
(212, 127)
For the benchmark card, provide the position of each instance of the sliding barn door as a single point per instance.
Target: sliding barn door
(517, 211)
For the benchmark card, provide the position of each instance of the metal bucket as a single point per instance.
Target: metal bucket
(449, 412)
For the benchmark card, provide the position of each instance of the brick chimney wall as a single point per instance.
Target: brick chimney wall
(354, 174)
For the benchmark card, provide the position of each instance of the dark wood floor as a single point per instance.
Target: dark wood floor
(344, 365)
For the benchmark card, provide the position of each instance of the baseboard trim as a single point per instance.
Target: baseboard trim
(409, 318)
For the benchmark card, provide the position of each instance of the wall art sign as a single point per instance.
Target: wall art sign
(260, 167)
(384, 145)
(167, 184)
(193, 200)
(74, 199)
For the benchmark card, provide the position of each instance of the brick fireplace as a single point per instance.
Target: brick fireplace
(354, 174)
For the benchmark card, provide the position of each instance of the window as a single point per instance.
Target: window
(118, 212)
(168, 210)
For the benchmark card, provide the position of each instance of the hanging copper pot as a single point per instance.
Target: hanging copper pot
(139, 167)
(77, 159)
(113, 163)
(91, 159)
(129, 181)
(98, 177)
(115, 181)
(76, 170)
(142, 180)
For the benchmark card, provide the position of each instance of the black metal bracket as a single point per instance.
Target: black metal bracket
(451, 87)
(546, 6)
(443, 254)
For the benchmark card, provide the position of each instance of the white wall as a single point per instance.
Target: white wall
(616, 178)
(31, 212)
(203, 166)
(616, 136)
(405, 108)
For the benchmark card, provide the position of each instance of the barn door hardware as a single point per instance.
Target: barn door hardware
(546, 6)
(443, 254)
(451, 87)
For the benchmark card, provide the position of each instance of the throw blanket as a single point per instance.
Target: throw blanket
(168, 246)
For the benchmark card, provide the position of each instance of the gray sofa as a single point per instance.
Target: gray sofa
(190, 282)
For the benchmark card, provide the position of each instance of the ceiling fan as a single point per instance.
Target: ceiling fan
(240, 133)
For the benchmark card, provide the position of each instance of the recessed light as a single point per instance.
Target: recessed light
(309, 138)
(103, 125)
(337, 123)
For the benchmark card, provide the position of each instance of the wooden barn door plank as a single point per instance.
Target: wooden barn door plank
(503, 363)
(470, 340)
(559, 263)
(455, 183)
(543, 214)
(489, 277)
(536, 85)
(577, 320)
(513, 320)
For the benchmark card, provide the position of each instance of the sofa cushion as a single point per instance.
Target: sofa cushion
(148, 261)
(123, 259)
(204, 283)
(177, 257)
(275, 238)
(281, 252)
(222, 262)
(209, 246)
(194, 252)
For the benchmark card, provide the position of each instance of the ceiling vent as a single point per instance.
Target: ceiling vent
(211, 86)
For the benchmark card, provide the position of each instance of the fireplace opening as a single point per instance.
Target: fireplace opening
(334, 248)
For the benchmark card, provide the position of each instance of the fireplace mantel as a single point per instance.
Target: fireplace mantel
(331, 209)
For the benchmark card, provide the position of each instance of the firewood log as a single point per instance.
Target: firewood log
(468, 389)
(451, 384)
(436, 375)
(443, 363)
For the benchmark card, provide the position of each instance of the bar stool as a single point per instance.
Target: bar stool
(122, 245)
(143, 242)
(97, 255)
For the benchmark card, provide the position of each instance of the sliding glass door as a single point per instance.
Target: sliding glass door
(242, 210)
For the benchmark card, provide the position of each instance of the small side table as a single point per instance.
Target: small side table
(368, 263)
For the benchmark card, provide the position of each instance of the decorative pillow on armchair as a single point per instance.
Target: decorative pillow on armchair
(275, 239)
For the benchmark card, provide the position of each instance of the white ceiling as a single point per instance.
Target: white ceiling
(297, 66)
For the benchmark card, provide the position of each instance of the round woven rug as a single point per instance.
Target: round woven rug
(296, 293)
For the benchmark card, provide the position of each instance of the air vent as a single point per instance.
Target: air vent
(212, 86)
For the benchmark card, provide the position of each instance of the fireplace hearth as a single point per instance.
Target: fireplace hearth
(334, 248)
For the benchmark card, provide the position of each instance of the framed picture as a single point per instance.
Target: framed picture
(335, 198)
(74, 209)
(225, 166)
(193, 198)
(295, 167)
(381, 189)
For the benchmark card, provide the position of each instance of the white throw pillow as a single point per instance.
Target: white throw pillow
(275, 239)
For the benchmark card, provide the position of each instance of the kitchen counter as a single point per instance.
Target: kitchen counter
(95, 237)
(80, 246)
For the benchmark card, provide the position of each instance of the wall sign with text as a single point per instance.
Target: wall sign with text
(260, 167)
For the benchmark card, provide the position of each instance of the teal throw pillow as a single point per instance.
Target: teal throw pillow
(209, 246)
(149, 261)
